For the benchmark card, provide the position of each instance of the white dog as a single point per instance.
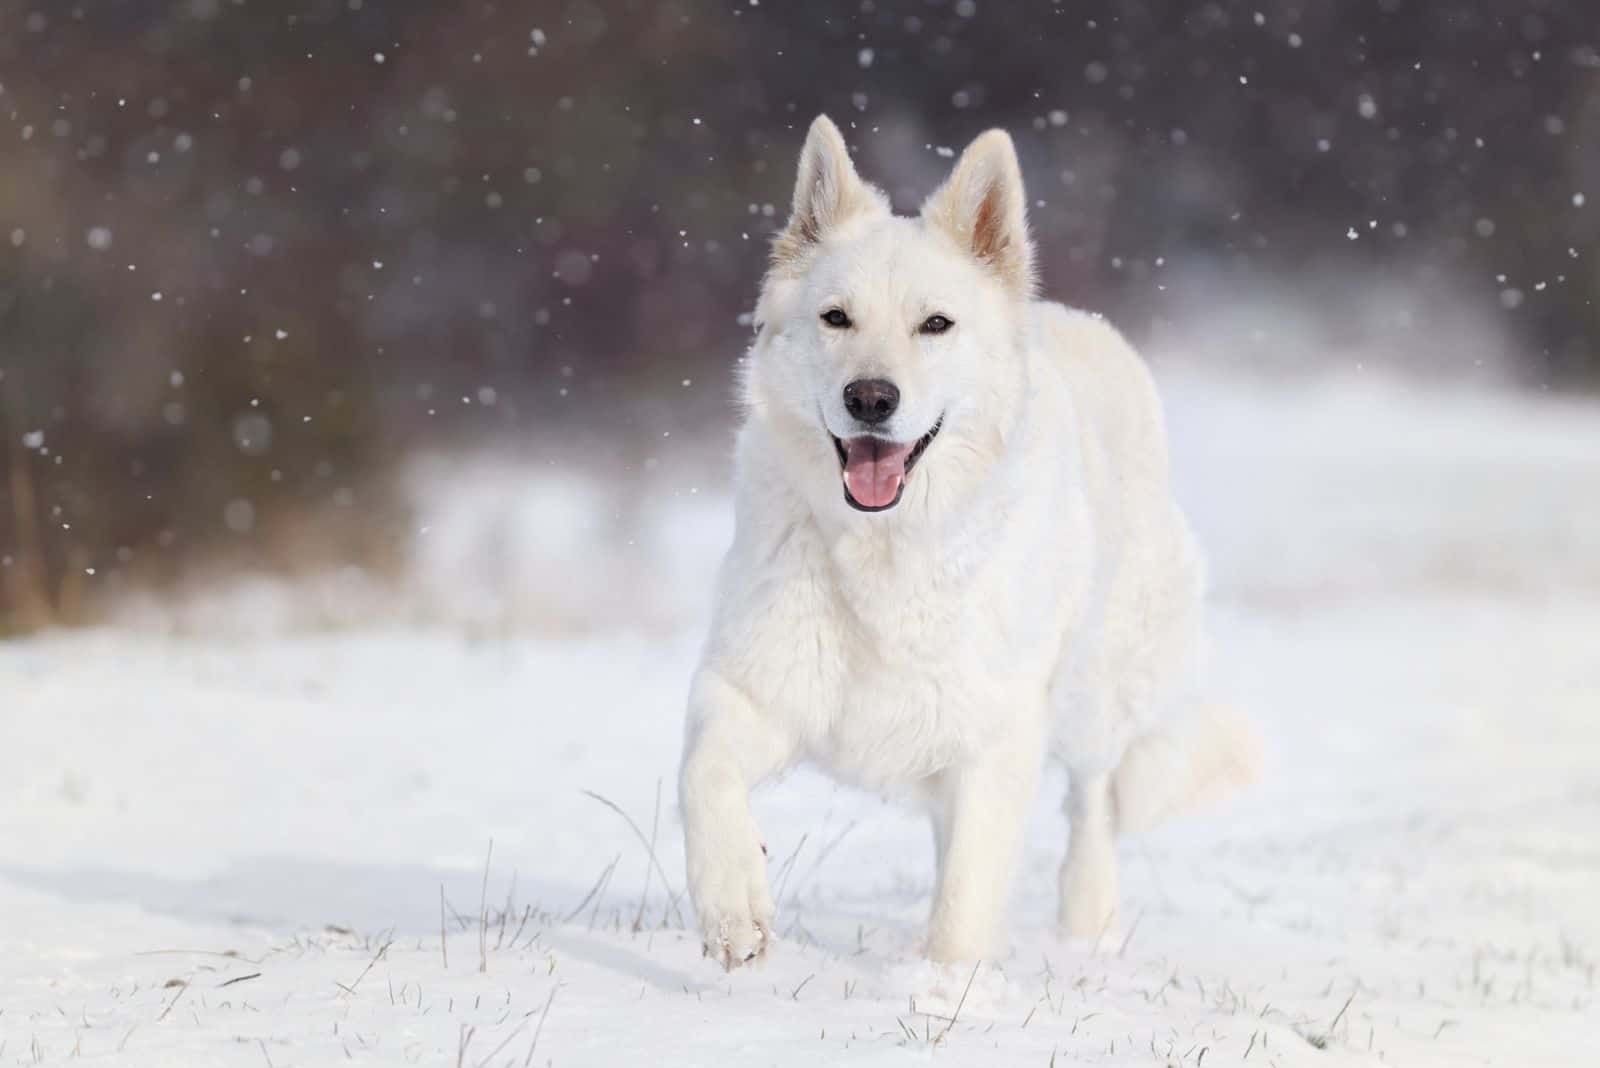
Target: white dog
(956, 552)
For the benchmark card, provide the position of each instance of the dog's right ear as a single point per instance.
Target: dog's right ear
(826, 193)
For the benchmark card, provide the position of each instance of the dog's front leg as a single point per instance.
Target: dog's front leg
(985, 805)
(731, 747)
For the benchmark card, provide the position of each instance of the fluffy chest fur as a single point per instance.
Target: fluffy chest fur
(893, 649)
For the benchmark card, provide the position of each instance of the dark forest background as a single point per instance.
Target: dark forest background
(254, 254)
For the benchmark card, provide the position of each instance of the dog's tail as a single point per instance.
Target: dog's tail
(1200, 759)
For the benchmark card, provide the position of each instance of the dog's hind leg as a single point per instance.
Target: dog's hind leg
(1089, 872)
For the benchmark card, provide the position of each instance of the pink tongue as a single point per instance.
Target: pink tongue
(874, 470)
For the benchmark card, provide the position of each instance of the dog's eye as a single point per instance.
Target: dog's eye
(836, 318)
(935, 324)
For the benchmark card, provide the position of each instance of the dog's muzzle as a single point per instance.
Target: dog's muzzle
(875, 469)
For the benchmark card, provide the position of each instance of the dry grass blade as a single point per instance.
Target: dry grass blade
(816, 865)
(788, 867)
(376, 957)
(227, 953)
(1320, 1040)
(605, 877)
(483, 915)
(507, 912)
(644, 896)
(537, 1031)
(504, 1042)
(594, 916)
(1132, 930)
(1334, 1025)
(672, 894)
(957, 1014)
(182, 986)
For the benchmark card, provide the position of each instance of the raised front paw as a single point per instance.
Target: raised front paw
(735, 906)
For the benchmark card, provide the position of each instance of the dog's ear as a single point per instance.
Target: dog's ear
(982, 205)
(827, 192)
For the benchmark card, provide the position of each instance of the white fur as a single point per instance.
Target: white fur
(1035, 591)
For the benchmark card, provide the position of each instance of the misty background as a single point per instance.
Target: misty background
(265, 269)
(365, 426)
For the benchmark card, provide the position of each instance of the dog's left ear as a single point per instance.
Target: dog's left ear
(982, 205)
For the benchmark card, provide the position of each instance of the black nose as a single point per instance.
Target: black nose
(871, 400)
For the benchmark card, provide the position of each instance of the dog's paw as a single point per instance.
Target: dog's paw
(735, 908)
(965, 991)
(732, 942)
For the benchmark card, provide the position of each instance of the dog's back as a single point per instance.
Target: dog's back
(1140, 645)
(1113, 394)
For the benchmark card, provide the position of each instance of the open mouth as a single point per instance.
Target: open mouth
(875, 470)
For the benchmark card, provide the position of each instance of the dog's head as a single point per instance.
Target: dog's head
(887, 353)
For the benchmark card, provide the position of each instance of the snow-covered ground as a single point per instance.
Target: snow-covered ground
(226, 828)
